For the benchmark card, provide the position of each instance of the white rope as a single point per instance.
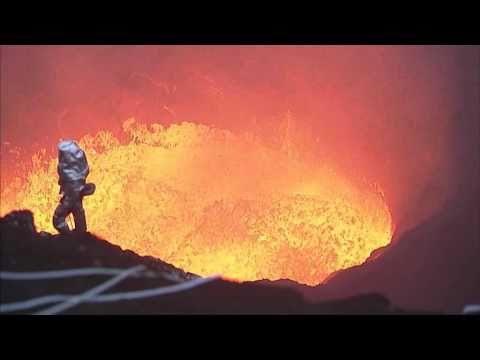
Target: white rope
(58, 274)
(142, 294)
(32, 303)
(131, 295)
(471, 309)
(75, 300)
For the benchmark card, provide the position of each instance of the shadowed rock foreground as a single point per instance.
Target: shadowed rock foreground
(24, 249)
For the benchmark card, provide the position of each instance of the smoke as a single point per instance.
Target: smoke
(402, 116)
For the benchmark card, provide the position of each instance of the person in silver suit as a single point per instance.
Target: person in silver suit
(72, 171)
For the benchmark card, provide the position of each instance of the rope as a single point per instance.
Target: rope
(75, 300)
(471, 309)
(33, 303)
(142, 294)
(131, 295)
(58, 274)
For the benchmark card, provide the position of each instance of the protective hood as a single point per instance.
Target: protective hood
(72, 162)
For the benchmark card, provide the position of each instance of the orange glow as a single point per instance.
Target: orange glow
(214, 202)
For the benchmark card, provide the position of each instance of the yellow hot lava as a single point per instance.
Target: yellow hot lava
(210, 201)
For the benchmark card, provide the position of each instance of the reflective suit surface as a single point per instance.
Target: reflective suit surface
(72, 170)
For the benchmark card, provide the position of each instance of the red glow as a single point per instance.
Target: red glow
(378, 114)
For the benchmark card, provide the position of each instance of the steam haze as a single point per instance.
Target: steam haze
(405, 117)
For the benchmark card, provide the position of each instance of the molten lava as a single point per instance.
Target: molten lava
(210, 201)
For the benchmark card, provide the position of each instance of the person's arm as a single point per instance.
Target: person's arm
(60, 182)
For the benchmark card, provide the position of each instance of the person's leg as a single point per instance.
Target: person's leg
(60, 214)
(79, 215)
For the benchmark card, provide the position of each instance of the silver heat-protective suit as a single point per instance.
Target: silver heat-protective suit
(72, 170)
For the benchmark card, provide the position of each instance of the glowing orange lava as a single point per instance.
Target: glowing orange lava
(210, 201)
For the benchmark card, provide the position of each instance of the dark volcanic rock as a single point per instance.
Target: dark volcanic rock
(23, 249)
(434, 266)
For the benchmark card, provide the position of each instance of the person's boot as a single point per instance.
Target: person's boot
(44, 235)
(63, 229)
